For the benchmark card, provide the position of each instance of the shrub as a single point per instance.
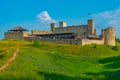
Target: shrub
(117, 40)
(36, 43)
(94, 46)
(115, 48)
(1, 56)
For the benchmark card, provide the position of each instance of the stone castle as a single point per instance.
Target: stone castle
(80, 34)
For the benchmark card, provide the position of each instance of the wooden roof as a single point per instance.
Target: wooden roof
(18, 28)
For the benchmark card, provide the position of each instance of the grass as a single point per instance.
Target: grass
(48, 61)
(7, 48)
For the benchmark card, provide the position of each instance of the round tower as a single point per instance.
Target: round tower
(109, 36)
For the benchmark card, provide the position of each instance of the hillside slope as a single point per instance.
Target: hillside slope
(48, 61)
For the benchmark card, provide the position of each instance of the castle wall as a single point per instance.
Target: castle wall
(88, 41)
(73, 41)
(63, 41)
(30, 38)
(67, 41)
(82, 30)
(41, 32)
(25, 34)
(14, 35)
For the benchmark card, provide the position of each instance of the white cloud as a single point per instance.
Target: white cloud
(44, 16)
(107, 19)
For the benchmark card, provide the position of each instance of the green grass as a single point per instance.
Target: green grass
(7, 48)
(5, 52)
(48, 61)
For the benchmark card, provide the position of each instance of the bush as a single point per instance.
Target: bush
(117, 40)
(36, 43)
(1, 56)
(94, 46)
(115, 48)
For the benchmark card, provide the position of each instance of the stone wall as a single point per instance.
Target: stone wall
(26, 34)
(73, 41)
(41, 32)
(69, 41)
(63, 41)
(92, 41)
(72, 29)
(83, 30)
(14, 35)
(31, 39)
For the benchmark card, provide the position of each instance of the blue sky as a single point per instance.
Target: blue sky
(38, 14)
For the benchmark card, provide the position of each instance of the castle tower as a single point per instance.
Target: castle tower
(109, 36)
(62, 24)
(53, 26)
(91, 30)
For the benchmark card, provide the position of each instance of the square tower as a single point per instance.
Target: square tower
(62, 24)
(91, 30)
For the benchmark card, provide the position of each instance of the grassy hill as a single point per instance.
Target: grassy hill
(47, 61)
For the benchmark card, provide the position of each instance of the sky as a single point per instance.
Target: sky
(38, 14)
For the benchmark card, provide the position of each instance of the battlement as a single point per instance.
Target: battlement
(41, 32)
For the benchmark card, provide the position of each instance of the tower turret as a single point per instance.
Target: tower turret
(91, 30)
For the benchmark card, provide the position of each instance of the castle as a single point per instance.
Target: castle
(80, 34)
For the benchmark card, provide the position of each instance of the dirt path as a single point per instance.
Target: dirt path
(9, 61)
